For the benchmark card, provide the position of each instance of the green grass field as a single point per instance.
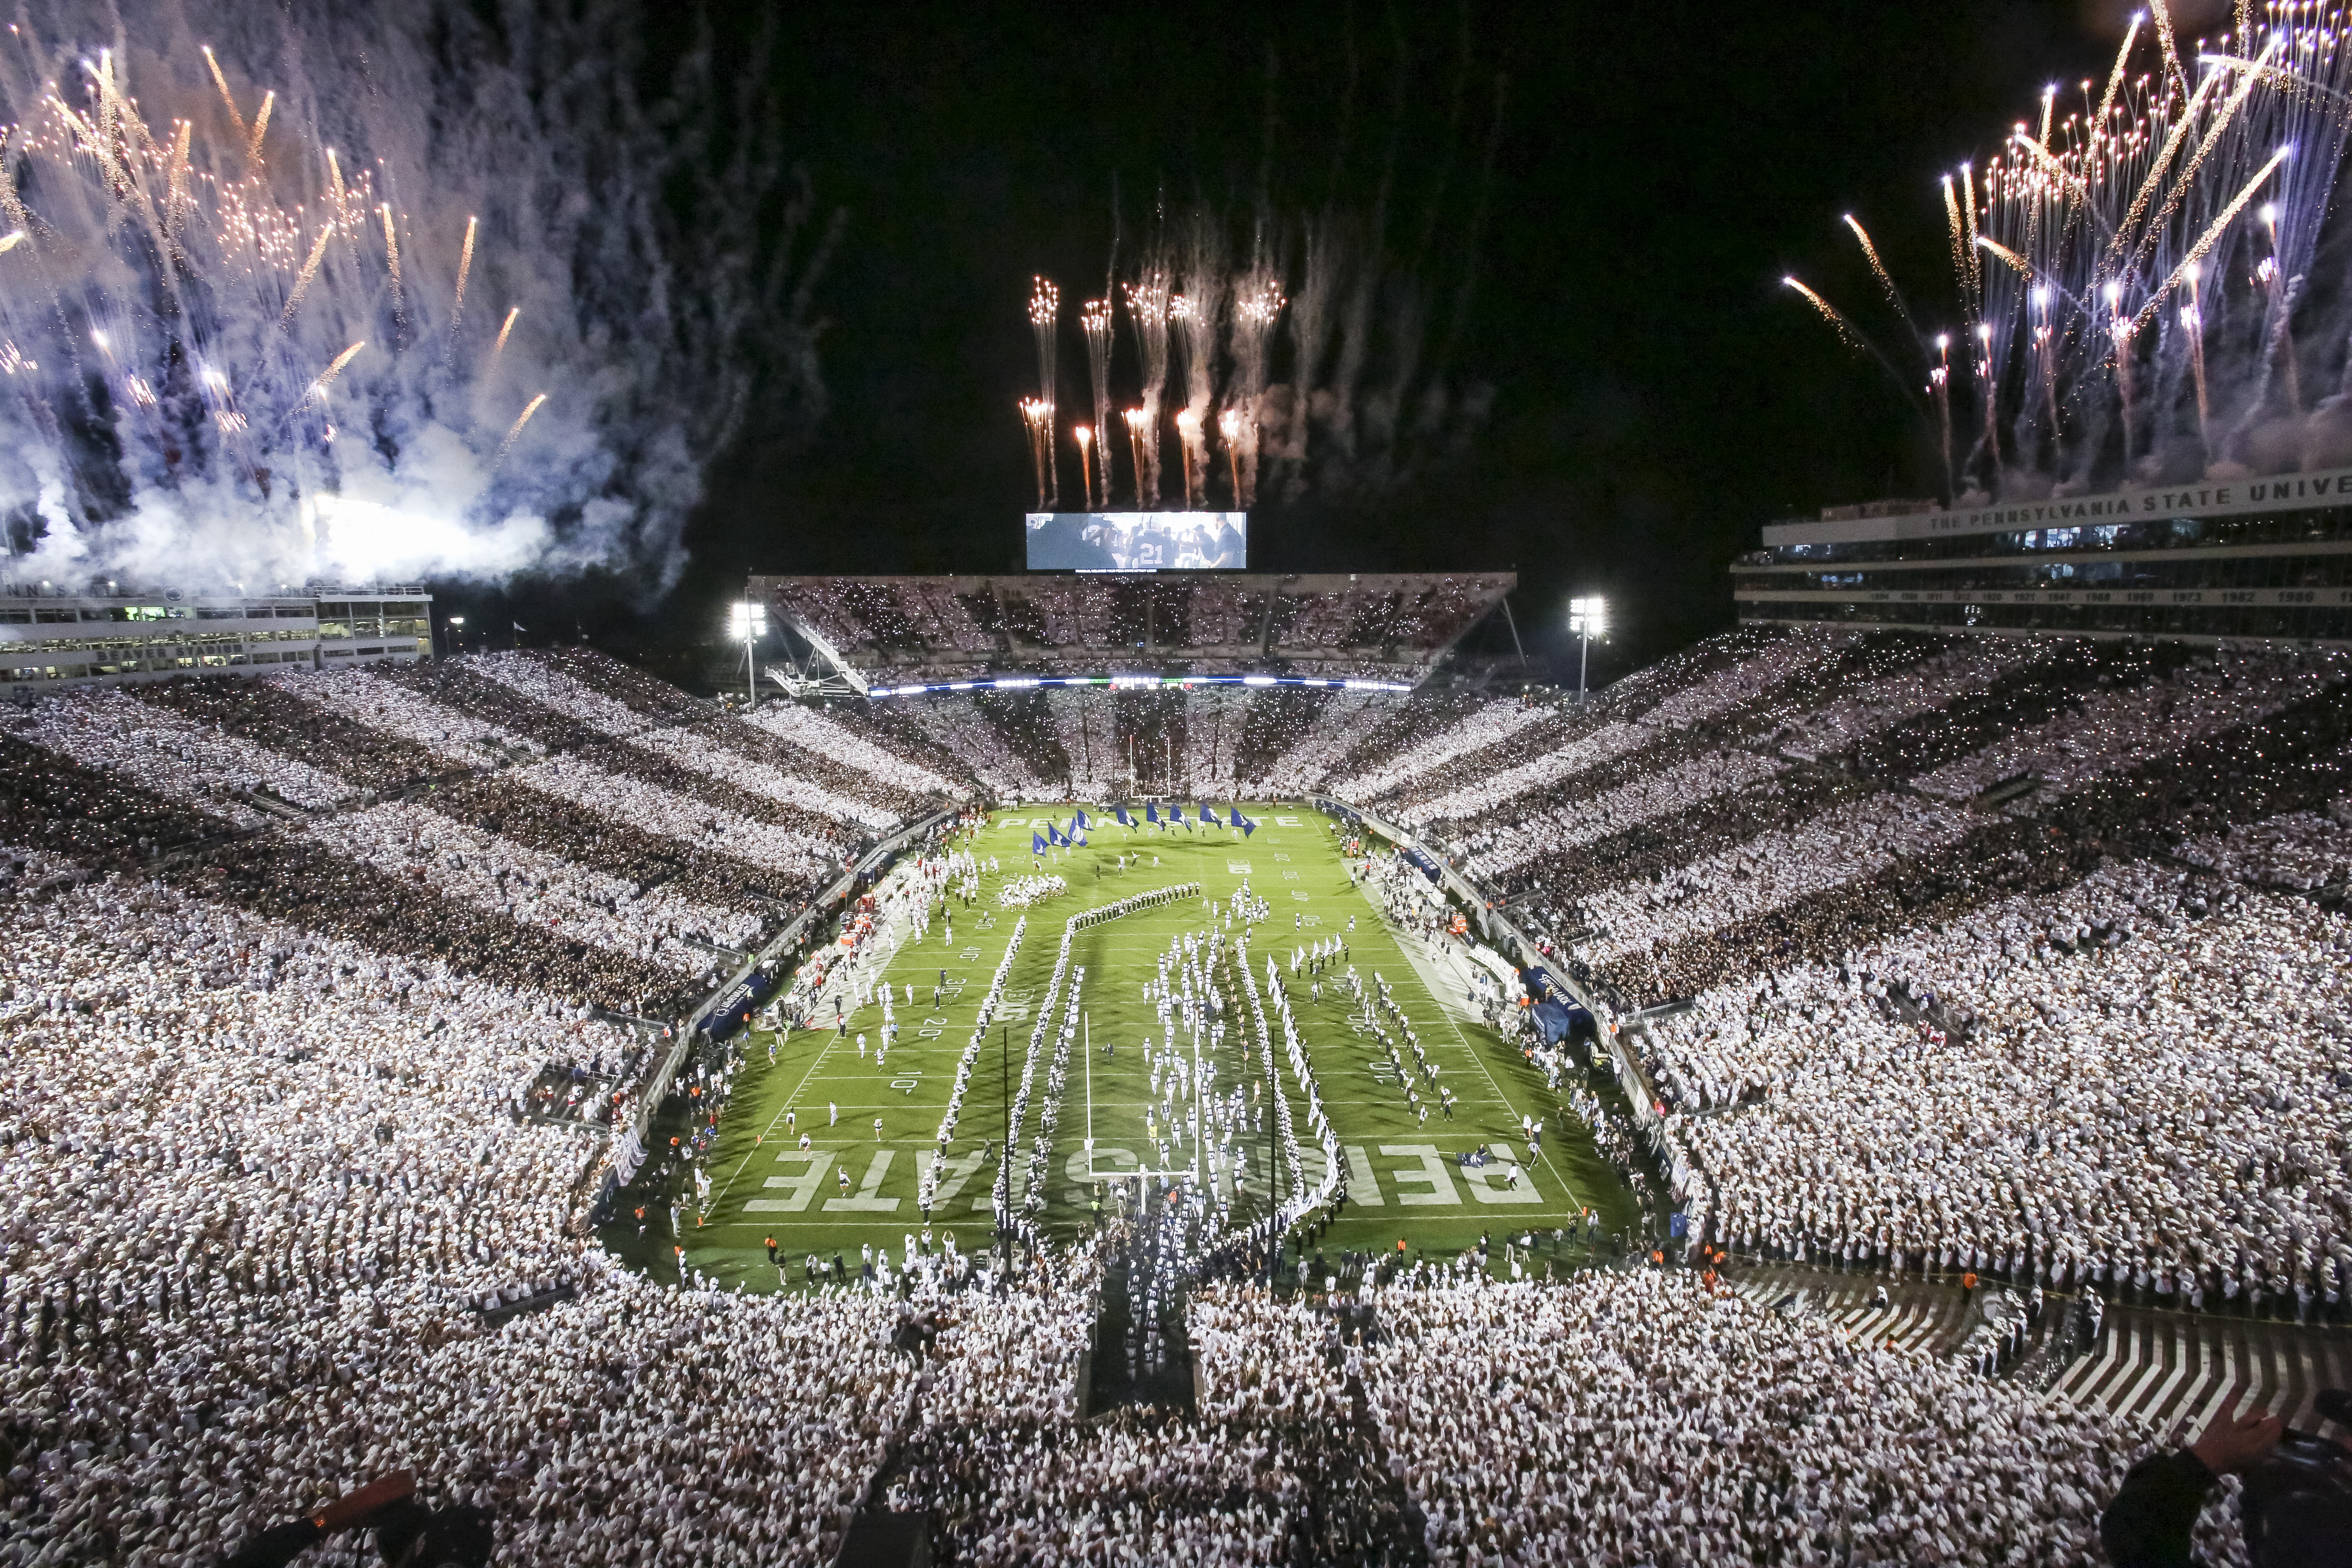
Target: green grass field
(851, 1186)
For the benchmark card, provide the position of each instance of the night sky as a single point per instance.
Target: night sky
(1657, 394)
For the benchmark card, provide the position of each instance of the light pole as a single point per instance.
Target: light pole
(457, 634)
(1586, 619)
(749, 622)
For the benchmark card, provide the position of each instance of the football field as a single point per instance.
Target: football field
(871, 1126)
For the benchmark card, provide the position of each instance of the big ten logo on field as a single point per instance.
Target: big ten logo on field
(1280, 857)
(1305, 920)
(1291, 876)
(967, 955)
(1019, 1002)
(1298, 895)
(987, 921)
(1241, 867)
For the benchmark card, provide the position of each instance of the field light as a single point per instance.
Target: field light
(1586, 619)
(748, 622)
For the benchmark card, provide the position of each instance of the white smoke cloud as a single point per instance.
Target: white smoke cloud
(170, 320)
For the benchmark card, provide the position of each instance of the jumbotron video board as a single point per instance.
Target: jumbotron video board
(1138, 541)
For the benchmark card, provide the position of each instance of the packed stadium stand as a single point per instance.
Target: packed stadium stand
(1921, 955)
(892, 630)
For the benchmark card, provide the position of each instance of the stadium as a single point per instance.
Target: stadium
(1294, 1056)
(1150, 1058)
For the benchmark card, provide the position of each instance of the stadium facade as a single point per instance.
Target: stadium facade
(2252, 560)
(49, 639)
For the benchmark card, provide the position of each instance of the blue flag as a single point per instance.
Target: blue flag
(1124, 820)
(1080, 822)
(1054, 833)
(1175, 814)
(1248, 826)
(1151, 811)
(1209, 814)
(1036, 845)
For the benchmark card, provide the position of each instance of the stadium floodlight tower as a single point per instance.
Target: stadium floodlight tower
(1586, 619)
(749, 623)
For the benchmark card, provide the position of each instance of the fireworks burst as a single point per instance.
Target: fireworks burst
(2135, 277)
(1094, 321)
(171, 286)
(1045, 325)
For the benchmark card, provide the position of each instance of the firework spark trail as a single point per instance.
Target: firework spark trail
(1140, 435)
(514, 431)
(327, 377)
(176, 197)
(1257, 305)
(2001, 252)
(1045, 326)
(1878, 271)
(2116, 76)
(309, 270)
(1094, 321)
(228, 98)
(1971, 265)
(506, 327)
(392, 260)
(1204, 286)
(1146, 316)
(1195, 449)
(465, 270)
(1830, 314)
(2206, 241)
(1955, 237)
(10, 203)
(2171, 48)
(1037, 416)
(260, 130)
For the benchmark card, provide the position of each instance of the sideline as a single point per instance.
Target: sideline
(1420, 963)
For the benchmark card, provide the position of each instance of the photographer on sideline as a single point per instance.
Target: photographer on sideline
(2297, 1505)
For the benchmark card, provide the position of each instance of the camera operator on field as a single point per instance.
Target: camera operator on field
(2295, 1507)
(407, 1535)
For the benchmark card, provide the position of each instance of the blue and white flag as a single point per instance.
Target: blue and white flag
(1120, 813)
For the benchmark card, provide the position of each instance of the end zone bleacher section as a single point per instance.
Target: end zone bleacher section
(894, 630)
